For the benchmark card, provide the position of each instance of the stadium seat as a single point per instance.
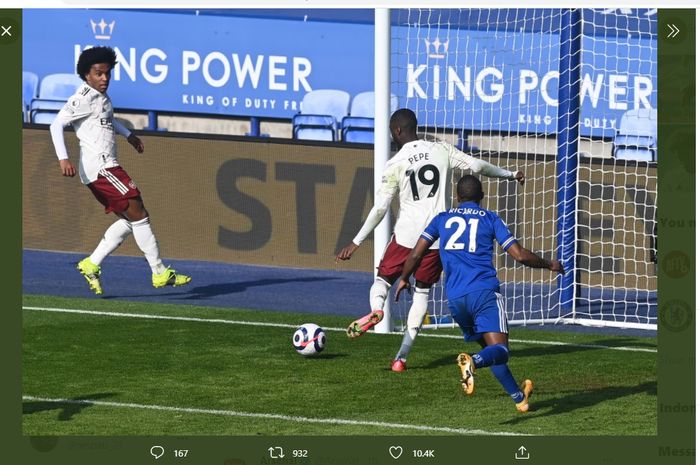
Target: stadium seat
(359, 126)
(321, 112)
(54, 91)
(30, 86)
(636, 138)
(314, 127)
(358, 129)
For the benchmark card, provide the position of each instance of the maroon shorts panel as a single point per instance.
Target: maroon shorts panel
(395, 255)
(113, 188)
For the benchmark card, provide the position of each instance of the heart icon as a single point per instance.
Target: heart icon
(395, 451)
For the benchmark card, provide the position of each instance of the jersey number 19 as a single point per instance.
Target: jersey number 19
(433, 181)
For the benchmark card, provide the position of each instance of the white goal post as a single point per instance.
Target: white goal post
(569, 97)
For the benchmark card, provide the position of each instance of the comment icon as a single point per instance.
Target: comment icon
(157, 452)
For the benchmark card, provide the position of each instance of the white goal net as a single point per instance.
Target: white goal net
(568, 97)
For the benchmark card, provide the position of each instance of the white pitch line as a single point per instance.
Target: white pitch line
(284, 325)
(273, 416)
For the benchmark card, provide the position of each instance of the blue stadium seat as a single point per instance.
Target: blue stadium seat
(358, 129)
(359, 126)
(313, 127)
(30, 86)
(321, 110)
(54, 91)
(636, 138)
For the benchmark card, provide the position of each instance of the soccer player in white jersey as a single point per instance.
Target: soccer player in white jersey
(419, 174)
(90, 113)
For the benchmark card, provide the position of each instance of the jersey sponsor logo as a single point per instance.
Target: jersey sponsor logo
(132, 184)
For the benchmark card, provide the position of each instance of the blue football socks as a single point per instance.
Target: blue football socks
(491, 355)
(496, 357)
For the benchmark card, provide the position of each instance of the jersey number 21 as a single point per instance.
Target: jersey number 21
(452, 243)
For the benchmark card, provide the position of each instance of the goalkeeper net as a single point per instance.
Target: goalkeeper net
(569, 98)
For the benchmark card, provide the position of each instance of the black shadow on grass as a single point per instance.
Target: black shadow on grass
(536, 351)
(540, 350)
(231, 288)
(440, 362)
(66, 409)
(589, 398)
(325, 356)
(627, 342)
(218, 289)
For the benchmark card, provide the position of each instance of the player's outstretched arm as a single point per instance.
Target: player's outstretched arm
(526, 257)
(493, 171)
(135, 142)
(520, 177)
(120, 129)
(410, 266)
(67, 168)
(459, 159)
(59, 144)
(384, 196)
(346, 252)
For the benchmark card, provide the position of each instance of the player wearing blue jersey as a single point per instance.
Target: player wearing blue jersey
(466, 236)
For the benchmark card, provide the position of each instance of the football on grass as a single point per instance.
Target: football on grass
(309, 339)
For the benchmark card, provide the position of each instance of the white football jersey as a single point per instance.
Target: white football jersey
(91, 114)
(419, 174)
(421, 171)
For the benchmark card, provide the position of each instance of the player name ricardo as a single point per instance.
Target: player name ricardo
(468, 211)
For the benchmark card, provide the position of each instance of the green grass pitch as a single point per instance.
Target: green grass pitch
(97, 374)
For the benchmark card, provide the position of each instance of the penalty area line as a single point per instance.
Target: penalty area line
(291, 326)
(271, 416)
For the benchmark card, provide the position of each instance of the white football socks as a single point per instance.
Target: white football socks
(143, 234)
(378, 293)
(416, 315)
(113, 237)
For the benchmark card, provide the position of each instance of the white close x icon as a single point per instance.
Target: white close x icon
(6, 31)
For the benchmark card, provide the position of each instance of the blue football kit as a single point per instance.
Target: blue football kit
(467, 235)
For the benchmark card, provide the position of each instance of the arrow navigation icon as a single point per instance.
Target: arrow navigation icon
(674, 30)
(522, 454)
